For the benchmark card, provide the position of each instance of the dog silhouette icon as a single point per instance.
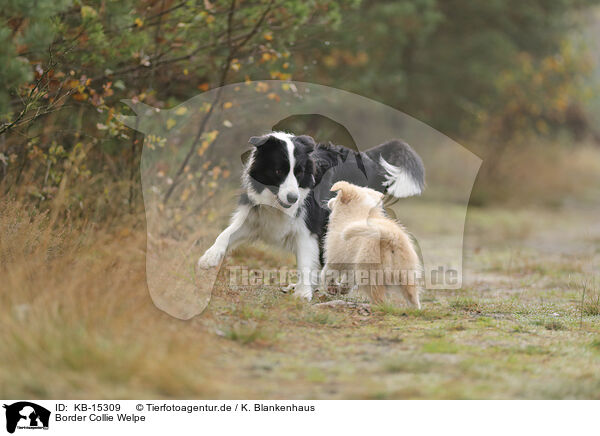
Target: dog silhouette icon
(26, 414)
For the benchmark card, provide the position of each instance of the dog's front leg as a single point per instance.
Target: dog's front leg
(234, 233)
(307, 258)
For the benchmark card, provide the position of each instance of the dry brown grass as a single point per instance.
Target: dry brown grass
(76, 319)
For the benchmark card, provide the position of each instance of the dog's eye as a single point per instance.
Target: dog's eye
(298, 171)
(279, 172)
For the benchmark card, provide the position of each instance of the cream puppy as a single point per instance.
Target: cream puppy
(366, 250)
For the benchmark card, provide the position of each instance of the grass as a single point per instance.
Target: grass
(591, 306)
(440, 346)
(75, 312)
(554, 325)
(245, 333)
(322, 317)
(409, 312)
(316, 375)
(249, 312)
(595, 344)
(465, 303)
(550, 324)
(519, 329)
(408, 364)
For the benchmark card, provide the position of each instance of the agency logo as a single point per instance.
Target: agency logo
(26, 415)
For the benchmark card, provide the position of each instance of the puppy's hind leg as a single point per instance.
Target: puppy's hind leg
(411, 293)
(377, 293)
(325, 278)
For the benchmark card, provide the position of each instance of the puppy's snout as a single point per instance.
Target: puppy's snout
(292, 198)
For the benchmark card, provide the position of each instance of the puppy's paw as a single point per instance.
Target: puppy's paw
(303, 291)
(212, 257)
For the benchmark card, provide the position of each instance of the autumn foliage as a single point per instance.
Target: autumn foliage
(460, 66)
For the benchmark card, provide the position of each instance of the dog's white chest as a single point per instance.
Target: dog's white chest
(273, 226)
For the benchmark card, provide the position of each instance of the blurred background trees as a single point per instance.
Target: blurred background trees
(494, 74)
(458, 64)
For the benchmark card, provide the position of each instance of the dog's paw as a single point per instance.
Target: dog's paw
(212, 257)
(304, 292)
(288, 288)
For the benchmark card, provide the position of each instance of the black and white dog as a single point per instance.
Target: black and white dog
(286, 182)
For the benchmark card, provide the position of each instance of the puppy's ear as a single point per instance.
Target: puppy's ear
(257, 141)
(307, 142)
(338, 186)
(342, 188)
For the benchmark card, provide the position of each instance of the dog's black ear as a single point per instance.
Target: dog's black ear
(257, 141)
(307, 142)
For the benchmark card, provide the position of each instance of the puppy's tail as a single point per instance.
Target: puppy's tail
(369, 229)
(359, 230)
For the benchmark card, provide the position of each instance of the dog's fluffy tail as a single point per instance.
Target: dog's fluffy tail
(370, 229)
(401, 167)
(360, 230)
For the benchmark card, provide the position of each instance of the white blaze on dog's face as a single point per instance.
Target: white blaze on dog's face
(280, 172)
(289, 190)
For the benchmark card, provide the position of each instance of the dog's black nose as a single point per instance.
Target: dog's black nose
(292, 198)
